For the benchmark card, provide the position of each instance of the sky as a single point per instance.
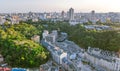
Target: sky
(7, 6)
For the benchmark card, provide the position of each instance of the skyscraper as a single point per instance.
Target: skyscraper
(93, 12)
(71, 14)
(93, 17)
(63, 15)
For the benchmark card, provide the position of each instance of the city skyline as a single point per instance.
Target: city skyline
(8, 6)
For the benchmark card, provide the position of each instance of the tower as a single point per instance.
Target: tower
(93, 17)
(71, 14)
(63, 15)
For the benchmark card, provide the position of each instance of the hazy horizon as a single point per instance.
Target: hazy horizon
(9, 6)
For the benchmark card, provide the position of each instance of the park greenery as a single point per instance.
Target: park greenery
(106, 39)
(17, 47)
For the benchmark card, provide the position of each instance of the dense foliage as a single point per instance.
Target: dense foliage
(106, 40)
(18, 49)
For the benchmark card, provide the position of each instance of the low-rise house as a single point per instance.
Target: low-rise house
(50, 37)
(49, 67)
(103, 59)
(5, 69)
(118, 53)
(97, 27)
(2, 20)
(19, 69)
(36, 38)
(35, 20)
(57, 53)
(1, 58)
(68, 65)
(15, 19)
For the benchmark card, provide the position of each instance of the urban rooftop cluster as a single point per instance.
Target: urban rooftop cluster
(73, 18)
(71, 57)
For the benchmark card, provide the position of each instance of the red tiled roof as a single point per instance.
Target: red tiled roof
(4, 69)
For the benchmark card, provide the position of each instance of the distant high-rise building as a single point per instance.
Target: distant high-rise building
(93, 12)
(71, 14)
(67, 15)
(93, 17)
(63, 14)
